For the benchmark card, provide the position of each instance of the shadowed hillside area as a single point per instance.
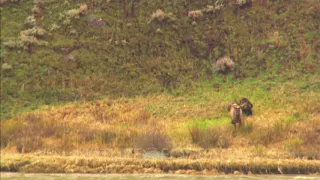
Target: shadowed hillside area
(118, 77)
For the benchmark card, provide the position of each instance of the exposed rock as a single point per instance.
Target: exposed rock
(94, 21)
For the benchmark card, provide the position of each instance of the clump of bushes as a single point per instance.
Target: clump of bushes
(302, 149)
(29, 144)
(310, 146)
(36, 11)
(28, 37)
(153, 138)
(75, 13)
(196, 14)
(209, 137)
(270, 134)
(35, 31)
(30, 22)
(160, 16)
(243, 3)
(54, 27)
(292, 144)
(39, 3)
(105, 136)
(275, 40)
(209, 9)
(71, 14)
(13, 44)
(31, 35)
(9, 131)
(37, 8)
(6, 67)
(223, 65)
(26, 132)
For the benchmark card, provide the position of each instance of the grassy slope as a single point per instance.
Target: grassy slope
(134, 55)
(285, 123)
(282, 82)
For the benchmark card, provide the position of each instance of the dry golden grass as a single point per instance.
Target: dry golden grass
(117, 127)
(95, 164)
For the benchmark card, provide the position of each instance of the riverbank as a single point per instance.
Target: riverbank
(77, 176)
(30, 163)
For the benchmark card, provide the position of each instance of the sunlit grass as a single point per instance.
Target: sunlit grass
(98, 164)
(119, 122)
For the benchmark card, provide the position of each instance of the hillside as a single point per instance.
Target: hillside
(116, 78)
(53, 52)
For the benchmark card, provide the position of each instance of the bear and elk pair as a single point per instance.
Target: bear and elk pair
(236, 111)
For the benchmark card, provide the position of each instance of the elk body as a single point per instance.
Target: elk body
(236, 114)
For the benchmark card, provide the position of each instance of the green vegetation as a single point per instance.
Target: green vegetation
(194, 119)
(147, 47)
(79, 77)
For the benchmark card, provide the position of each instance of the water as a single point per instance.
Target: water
(31, 176)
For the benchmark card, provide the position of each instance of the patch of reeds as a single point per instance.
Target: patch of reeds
(269, 134)
(26, 132)
(153, 138)
(307, 144)
(210, 137)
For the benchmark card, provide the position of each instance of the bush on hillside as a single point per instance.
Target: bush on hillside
(36, 11)
(13, 44)
(223, 65)
(75, 13)
(196, 14)
(30, 22)
(39, 3)
(160, 16)
(37, 32)
(243, 3)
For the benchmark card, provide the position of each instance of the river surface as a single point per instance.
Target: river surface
(32, 176)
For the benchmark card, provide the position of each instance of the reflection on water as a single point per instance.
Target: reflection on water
(22, 176)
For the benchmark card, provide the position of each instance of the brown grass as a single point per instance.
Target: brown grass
(210, 137)
(162, 122)
(153, 138)
(306, 139)
(72, 164)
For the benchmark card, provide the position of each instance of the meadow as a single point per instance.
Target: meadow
(91, 79)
